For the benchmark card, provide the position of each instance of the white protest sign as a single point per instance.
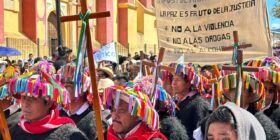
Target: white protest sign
(107, 53)
(201, 28)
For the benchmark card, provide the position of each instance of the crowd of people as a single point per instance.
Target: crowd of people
(41, 100)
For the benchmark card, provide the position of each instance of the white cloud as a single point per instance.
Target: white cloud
(275, 26)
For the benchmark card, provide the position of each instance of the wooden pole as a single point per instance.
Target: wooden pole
(3, 126)
(238, 61)
(235, 37)
(96, 104)
(3, 123)
(216, 71)
(142, 57)
(246, 68)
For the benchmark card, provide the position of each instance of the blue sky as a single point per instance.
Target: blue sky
(274, 22)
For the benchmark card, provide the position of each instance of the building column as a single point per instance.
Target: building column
(123, 26)
(104, 26)
(123, 21)
(29, 25)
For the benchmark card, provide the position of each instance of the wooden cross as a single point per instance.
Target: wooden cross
(145, 69)
(245, 68)
(216, 75)
(152, 65)
(96, 104)
(216, 71)
(239, 60)
(210, 82)
(236, 41)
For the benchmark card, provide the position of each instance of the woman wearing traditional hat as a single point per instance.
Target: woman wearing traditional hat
(133, 115)
(192, 108)
(40, 115)
(79, 110)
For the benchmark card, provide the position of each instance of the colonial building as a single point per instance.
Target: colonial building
(30, 25)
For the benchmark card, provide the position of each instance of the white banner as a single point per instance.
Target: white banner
(107, 53)
(201, 28)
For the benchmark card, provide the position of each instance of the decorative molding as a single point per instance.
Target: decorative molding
(127, 5)
(41, 8)
(147, 10)
(9, 5)
(51, 7)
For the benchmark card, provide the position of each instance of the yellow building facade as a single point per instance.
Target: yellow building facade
(131, 27)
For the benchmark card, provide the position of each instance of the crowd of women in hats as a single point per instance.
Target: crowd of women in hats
(189, 103)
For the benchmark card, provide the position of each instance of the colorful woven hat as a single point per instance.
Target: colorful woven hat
(269, 69)
(139, 104)
(35, 85)
(270, 75)
(201, 83)
(228, 82)
(267, 74)
(167, 76)
(66, 74)
(43, 66)
(188, 73)
(10, 73)
(272, 62)
(145, 85)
